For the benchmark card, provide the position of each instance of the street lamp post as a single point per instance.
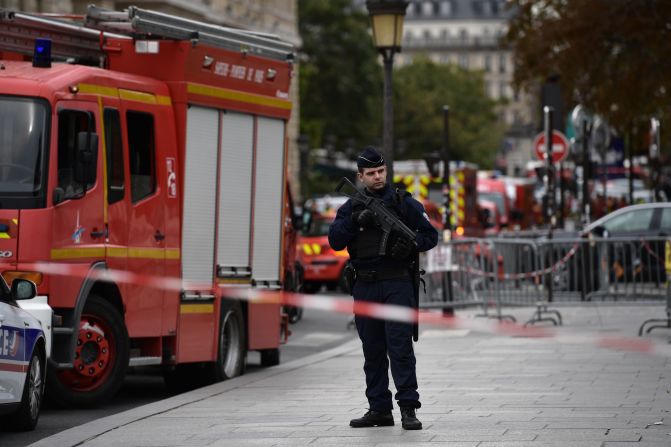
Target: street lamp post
(447, 214)
(387, 23)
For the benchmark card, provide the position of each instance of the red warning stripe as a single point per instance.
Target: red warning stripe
(13, 367)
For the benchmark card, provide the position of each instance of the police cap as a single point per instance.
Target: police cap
(369, 158)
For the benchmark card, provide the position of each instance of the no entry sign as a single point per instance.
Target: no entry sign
(560, 146)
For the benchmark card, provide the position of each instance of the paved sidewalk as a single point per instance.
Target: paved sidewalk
(478, 389)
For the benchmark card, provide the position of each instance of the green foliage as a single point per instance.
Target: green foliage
(610, 55)
(421, 89)
(340, 79)
(320, 184)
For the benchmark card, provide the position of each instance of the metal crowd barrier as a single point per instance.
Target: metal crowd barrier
(545, 273)
(457, 270)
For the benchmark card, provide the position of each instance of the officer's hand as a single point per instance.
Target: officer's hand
(401, 249)
(364, 218)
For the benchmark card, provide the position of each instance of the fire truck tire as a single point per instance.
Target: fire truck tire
(270, 357)
(231, 346)
(101, 358)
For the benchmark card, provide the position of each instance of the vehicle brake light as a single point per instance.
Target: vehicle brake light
(11, 275)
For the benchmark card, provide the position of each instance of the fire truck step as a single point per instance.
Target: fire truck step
(144, 361)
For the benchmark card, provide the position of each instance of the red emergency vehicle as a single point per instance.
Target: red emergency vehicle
(321, 265)
(156, 145)
(494, 190)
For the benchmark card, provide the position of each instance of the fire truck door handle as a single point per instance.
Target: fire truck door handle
(159, 236)
(95, 234)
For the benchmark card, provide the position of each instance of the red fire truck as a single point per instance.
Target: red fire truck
(156, 145)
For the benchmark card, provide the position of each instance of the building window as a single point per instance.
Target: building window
(427, 35)
(427, 9)
(141, 147)
(495, 7)
(445, 35)
(463, 60)
(503, 90)
(446, 8)
(463, 35)
(502, 63)
(488, 63)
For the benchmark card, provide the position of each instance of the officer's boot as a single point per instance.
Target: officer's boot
(409, 420)
(373, 419)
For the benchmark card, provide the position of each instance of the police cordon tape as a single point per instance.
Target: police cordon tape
(389, 312)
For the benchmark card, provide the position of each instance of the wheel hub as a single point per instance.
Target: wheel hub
(92, 353)
(92, 356)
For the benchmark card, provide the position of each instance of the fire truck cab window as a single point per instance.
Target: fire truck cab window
(141, 153)
(70, 124)
(23, 125)
(114, 146)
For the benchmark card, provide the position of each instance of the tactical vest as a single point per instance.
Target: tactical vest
(366, 243)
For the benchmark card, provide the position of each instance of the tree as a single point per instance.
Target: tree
(340, 79)
(421, 89)
(610, 55)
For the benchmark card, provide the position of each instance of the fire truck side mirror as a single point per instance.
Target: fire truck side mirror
(87, 155)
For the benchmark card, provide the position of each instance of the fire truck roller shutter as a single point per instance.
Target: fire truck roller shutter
(235, 194)
(269, 189)
(200, 188)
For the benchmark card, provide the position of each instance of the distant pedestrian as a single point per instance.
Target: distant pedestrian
(388, 280)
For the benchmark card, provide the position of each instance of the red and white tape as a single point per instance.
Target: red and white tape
(337, 304)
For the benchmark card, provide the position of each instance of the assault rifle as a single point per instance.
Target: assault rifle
(386, 220)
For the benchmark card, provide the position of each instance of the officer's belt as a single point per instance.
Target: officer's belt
(373, 275)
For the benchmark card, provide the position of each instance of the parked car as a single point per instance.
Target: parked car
(648, 219)
(23, 358)
(633, 240)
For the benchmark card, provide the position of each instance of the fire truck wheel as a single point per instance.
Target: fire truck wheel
(101, 358)
(270, 357)
(231, 344)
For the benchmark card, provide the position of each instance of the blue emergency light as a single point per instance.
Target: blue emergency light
(42, 53)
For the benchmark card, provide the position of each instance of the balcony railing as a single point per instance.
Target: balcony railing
(489, 42)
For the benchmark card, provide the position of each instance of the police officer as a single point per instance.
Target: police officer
(387, 280)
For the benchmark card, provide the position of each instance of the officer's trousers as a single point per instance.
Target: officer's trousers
(385, 343)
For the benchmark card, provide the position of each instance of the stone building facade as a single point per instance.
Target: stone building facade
(468, 33)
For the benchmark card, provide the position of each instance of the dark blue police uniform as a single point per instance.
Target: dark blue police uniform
(384, 342)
